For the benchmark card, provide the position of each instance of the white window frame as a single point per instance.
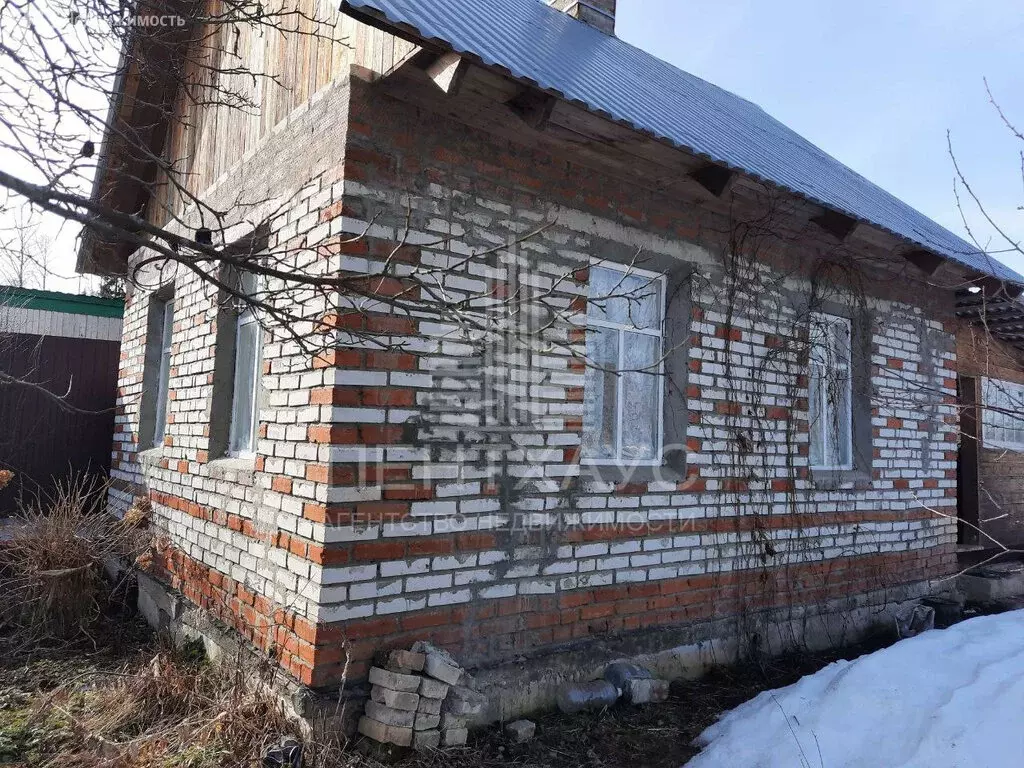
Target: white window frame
(163, 399)
(990, 419)
(622, 328)
(828, 447)
(245, 317)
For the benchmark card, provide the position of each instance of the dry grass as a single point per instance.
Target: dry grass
(157, 707)
(168, 711)
(153, 707)
(51, 566)
(162, 708)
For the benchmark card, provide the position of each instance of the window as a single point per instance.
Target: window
(831, 393)
(164, 377)
(1003, 427)
(248, 342)
(623, 391)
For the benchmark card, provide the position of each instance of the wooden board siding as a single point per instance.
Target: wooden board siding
(978, 354)
(40, 440)
(205, 142)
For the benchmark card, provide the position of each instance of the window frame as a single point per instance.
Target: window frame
(989, 384)
(826, 318)
(162, 404)
(244, 317)
(621, 329)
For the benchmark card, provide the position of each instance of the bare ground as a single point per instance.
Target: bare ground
(651, 736)
(46, 696)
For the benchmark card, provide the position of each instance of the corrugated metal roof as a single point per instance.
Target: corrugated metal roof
(607, 75)
(55, 301)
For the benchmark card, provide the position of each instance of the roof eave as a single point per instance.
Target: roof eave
(410, 33)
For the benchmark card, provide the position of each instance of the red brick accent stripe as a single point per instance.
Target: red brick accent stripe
(489, 630)
(373, 513)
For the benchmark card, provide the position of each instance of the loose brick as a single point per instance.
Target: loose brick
(450, 721)
(390, 716)
(465, 702)
(386, 734)
(440, 669)
(430, 706)
(454, 737)
(433, 689)
(521, 730)
(426, 721)
(395, 681)
(426, 740)
(395, 699)
(405, 661)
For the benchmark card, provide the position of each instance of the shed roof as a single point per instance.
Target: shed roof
(544, 46)
(54, 301)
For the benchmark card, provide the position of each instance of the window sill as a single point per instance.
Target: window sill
(151, 457)
(833, 479)
(998, 445)
(234, 469)
(970, 547)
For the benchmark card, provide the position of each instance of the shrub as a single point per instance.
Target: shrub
(52, 563)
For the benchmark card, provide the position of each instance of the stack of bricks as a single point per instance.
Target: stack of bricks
(419, 699)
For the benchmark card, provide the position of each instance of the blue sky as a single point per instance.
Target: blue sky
(875, 84)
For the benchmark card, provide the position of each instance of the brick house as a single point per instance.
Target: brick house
(747, 496)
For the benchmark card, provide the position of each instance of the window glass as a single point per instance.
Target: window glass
(601, 394)
(631, 300)
(815, 415)
(830, 393)
(623, 389)
(244, 397)
(841, 419)
(160, 422)
(1003, 415)
(640, 402)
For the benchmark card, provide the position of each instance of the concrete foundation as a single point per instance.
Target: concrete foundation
(999, 581)
(167, 611)
(529, 685)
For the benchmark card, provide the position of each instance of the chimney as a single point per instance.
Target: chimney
(597, 13)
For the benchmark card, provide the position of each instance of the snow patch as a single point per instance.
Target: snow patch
(943, 699)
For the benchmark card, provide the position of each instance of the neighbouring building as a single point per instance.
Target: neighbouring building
(990, 368)
(740, 433)
(58, 386)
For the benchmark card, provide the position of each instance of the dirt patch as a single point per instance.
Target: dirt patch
(652, 736)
